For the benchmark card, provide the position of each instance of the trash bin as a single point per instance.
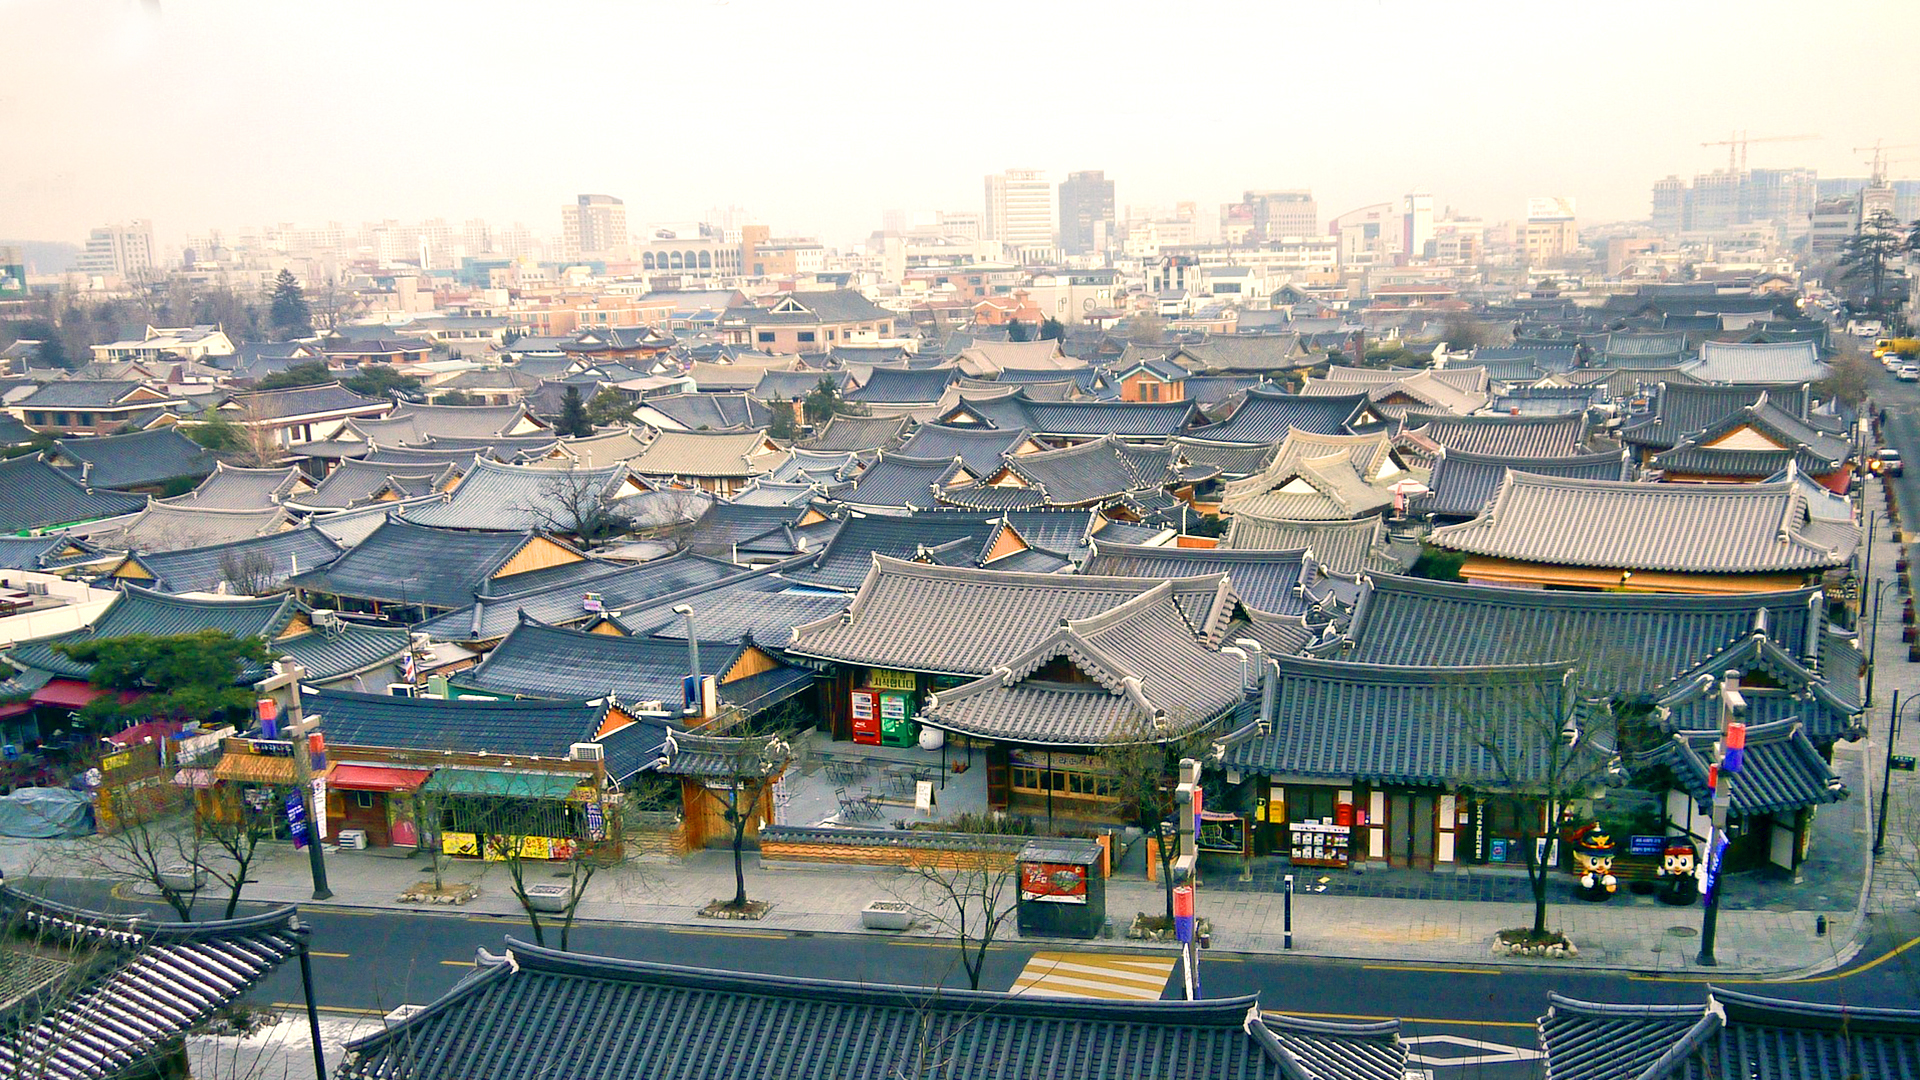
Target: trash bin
(1062, 893)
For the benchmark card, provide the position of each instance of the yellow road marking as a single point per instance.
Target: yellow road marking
(732, 933)
(1420, 967)
(1403, 1019)
(1095, 975)
(334, 955)
(945, 945)
(458, 963)
(1834, 977)
(341, 1009)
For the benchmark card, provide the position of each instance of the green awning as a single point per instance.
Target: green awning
(518, 785)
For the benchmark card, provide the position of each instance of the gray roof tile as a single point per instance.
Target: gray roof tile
(35, 495)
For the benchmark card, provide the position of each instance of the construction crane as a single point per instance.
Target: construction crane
(1737, 147)
(1880, 159)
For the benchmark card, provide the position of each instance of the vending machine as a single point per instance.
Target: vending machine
(896, 718)
(866, 717)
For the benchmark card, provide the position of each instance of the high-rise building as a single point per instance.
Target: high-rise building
(125, 250)
(1019, 214)
(1549, 234)
(1724, 200)
(1419, 224)
(1669, 205)
(595, 227)
(1086, 212)
(1262, 216)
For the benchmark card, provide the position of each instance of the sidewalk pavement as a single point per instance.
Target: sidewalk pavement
(1893, 886)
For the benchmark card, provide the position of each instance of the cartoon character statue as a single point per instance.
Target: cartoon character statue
(1593, 852)
(1679, 872)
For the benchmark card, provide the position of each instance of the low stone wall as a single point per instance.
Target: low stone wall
(887, 847)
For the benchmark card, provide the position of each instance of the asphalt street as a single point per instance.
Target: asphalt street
(1465, 1021)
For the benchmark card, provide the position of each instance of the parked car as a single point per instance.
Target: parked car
(1908, 373)
(1886, 461)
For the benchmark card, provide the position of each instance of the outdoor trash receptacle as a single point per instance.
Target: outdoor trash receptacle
(1062, 893)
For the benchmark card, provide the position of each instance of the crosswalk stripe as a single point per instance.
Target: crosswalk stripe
(1094, 975)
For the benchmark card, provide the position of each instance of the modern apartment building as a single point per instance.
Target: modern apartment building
(1086, 212)
(124, 250)
(1019, 214)
(594, 227)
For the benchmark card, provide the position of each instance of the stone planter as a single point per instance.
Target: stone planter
(453, 892)
(548, 899)
(1519, 943)
(886, 915)
(182, 877)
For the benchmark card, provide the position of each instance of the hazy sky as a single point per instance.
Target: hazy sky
(817, 116)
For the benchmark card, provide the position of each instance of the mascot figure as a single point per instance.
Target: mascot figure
(1679, 873)
(1593, 853)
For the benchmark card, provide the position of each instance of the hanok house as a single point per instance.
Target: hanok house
(289, 419)
(149, 462)
(814, 1029)
(89, 406)
(1561, 533)
(1783, 781)
(93, 994)
(720, 462)
(915, 630)
(1755, 443)
(1348, 763)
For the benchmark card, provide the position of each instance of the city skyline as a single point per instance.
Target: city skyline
(299, 137)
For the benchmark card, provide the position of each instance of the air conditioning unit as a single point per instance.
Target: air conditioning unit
(402, 689)
(353, 839)
(324, 618)
(586, 751)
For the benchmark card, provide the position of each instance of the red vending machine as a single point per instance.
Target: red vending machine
(866, 717)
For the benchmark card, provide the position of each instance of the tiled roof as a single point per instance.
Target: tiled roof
(167, 526)
(808, 465)
(1790, 362)
(1138, 420)
(83, 394)
(512, 729)
(113, 990)
(895, 480)
(1342, 547)
(269, 559)
(412, 425)
(1685, 528)
(980, 448)
(355, 482)
(1629, 644)
(1562, 435)
(1265, 416)
(517, 497)
(1681, 409)
(143, 611)
(848, 557)
(303, 401)
(1266, 580)
(957, 621)
(1462, 483)
(896, 386)
(823, 306)
(1546, 357)
(988, 358)
(1254, 353)
(404, 563)
(563, 603)
(707, 454)
(1144, 672)
(137, 459)
(729, 380)
(547, 661)
(616, 1017)
(1788, 437)
(1074, 476)
(1416, 726)
(1783, 771)
(1233, 460)
(859, 433)
(1731, 1034)
(234, 488)
(1370, 455)
(41, 552)
(35, 495)
(597, 451)
(787, 385)
(1631, 350)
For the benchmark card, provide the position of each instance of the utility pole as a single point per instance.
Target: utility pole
(1187, 806)
(300, 729)
(1886, 772)
(1729, 755)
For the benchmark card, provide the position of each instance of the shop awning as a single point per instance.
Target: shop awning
(518, 785)
(255, 769)
(376, 778)
(72, 694)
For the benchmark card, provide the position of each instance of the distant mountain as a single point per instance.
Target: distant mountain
(46, 256)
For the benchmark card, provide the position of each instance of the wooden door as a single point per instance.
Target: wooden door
(999, 777)
(367, 811)
(1410, 829)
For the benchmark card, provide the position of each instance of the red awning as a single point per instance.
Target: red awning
(13, 709)
(376, 778)
(73, 694)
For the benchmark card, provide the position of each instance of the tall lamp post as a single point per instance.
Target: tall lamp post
(1873, 636)
(1729, 755)
(1886, 768)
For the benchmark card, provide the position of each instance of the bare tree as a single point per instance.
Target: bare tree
(232, 834)
(248, 573)
(967, 895)
(147, 837)
(750, 766)
(577, 502)
(567, 843)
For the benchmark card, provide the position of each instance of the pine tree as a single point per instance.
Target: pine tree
(289, 314)
(573, 415)
(780, 426)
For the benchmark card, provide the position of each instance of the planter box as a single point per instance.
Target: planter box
(181, 877)
(886, 915)
(551, 899)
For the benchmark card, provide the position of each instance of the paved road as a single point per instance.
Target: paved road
(1464, 1021)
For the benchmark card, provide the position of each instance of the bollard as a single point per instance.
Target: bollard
(1287, 914)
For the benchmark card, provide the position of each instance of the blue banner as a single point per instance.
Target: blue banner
(1716, 850)
(297, 820)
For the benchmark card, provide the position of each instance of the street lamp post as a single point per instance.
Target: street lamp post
(1886, 769)
(1873, 636)
(1729, 753)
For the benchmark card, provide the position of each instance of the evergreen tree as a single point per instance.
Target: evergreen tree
(288, 312)
(1019, 331)
(185, 677)
(381, 380)
(1052, 329)
(1865, 257)
(821, 402)
(306, 373)
(781, 426)
(573, 415)
(609, 407)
